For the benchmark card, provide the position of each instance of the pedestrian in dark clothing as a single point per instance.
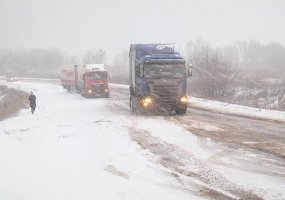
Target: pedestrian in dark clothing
(32, 99)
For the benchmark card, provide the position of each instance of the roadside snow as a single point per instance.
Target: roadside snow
(237, 109)
(120, 85)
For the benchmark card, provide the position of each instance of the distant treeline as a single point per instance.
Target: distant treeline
(219, 72)
(246, 73)
(32, 62)
(46, 63)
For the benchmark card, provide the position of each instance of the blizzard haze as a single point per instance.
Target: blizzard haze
(77, 26)
(106, 137)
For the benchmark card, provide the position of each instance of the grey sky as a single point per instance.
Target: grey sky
(79, 25)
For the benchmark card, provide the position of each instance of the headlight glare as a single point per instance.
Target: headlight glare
(145, 104)
(184, 99)
(147, 100)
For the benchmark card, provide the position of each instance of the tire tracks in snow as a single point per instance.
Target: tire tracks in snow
(188, 170)
(194, 175)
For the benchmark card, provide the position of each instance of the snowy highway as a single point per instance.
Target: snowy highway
(76, 148)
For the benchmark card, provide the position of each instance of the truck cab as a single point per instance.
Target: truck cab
(158, 78)
(93, 80)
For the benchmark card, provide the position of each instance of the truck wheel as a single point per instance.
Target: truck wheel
(81, 92)
(72, 89)
(181, 111)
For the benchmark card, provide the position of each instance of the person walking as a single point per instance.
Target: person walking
(32, 99)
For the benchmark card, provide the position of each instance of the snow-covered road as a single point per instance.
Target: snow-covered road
(77, 148)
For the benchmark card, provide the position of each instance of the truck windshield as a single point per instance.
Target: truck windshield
(156, 70)
(97, 76)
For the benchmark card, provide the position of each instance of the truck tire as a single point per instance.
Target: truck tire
(72, 89)
(81, 92)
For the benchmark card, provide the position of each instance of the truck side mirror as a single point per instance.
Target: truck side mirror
(189, 70)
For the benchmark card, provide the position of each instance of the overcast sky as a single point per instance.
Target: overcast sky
(79, 25)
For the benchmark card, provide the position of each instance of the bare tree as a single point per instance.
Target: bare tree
(212, 68)
(243, 50)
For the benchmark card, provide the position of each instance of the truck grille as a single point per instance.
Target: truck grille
(99, 89)
(165, 95)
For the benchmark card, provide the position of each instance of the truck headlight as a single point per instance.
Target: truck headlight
(89, 91)
(147, 101)
(184, 99)
(145, 104)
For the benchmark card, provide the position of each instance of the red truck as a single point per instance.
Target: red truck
(91, 80)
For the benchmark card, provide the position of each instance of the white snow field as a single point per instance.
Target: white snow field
(75, 148)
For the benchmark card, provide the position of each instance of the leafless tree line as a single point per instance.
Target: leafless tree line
(219, 72)
(32, 62)
(46, 62)
(213, 68)
(229, 73)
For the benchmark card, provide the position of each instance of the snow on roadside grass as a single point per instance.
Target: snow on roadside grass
(237, 109)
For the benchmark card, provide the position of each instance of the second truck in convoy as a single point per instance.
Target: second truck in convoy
(158, 78)
(91, 80)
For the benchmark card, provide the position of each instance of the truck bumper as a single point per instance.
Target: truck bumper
(97, 92)
(175, 103)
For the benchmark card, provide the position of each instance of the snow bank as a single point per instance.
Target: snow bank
(119, 85)
(237, 109)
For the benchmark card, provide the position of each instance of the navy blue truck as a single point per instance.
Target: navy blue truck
(158, 78)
